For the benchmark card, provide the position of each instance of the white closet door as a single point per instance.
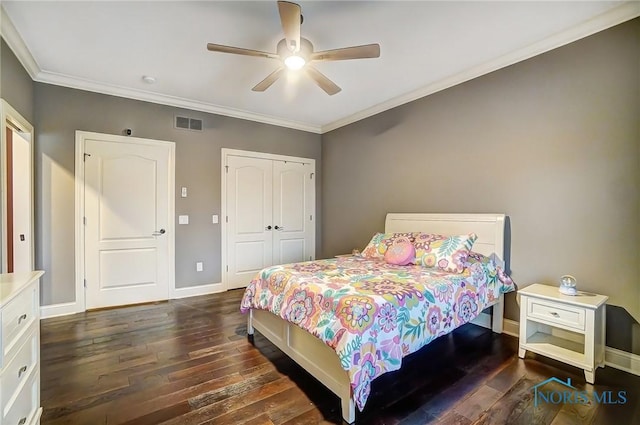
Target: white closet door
(293, 207)
(250, 215)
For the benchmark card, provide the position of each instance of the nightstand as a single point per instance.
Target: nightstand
(567, 328)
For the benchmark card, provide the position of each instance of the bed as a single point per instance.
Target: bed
(331, 305)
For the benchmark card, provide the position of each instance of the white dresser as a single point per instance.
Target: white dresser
(20, 348)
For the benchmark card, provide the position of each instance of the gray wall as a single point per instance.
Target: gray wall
(553, 142)
(16, 86)
(61, 111)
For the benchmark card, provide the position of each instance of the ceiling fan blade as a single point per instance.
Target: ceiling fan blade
(325, 84)
(290, 19)
(355, 52)
(239, 51)
(271, 78)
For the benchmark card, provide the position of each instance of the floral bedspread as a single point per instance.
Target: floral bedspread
(373, 313)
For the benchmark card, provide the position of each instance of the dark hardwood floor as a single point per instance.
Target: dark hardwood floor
(188, 362)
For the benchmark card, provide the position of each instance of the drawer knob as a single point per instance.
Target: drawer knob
(21, 318)
(22, 370)
(554, 314)
(22, 421)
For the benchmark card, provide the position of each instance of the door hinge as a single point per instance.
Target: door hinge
(226, 218)
(311, 217)
(84, 220)
(226, 168)
(85, 282)
(227, 268)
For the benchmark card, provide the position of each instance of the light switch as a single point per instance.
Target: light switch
(183, 219)
(183, 192)
(199, 266)
(214, 219)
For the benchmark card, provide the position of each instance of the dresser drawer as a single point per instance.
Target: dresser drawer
(24, 408)
(19, 368)
(556, 313)
(17, 316)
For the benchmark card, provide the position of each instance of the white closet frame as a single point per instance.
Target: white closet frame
(225, 153)
(9, 115)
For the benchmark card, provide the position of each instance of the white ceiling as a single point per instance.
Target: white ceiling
(425, 46)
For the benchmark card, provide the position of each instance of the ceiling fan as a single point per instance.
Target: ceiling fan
(295, 52)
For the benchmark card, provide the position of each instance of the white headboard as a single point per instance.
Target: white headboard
(488, 227)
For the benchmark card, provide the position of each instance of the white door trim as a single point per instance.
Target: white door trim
(223, 193)
(8, 113)
(81, 136)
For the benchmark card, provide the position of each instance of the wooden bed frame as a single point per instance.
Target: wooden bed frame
(320, 360)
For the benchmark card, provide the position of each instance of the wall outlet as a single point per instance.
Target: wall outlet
(183, 219)
(183, 192)
(214, 219)
(199, 266)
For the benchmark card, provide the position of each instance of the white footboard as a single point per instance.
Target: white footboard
(309, 352)
(321, 361)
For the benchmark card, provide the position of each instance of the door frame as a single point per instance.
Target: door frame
(225, 153)
(81, 136)
(8, 113)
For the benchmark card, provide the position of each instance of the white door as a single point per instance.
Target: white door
(21, 191)
(250, 218)
(127, 205)
(293, 227)
(270, 203)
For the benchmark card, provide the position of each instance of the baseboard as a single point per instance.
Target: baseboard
(511, 327)
(194, 291)
(622, 360)
(613, 357)
(55, 310)
(64, 309)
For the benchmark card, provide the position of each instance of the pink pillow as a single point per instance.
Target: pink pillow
(400, 253)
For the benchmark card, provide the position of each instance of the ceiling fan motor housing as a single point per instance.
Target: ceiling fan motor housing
(306, 48)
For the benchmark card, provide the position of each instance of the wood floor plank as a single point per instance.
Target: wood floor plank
(254, 409)
(188, 362)
(482, 399)
(146, 403)
(510, 406)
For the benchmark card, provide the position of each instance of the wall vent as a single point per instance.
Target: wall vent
(188, 123)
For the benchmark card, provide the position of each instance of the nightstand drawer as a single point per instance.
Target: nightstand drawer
(556, 313)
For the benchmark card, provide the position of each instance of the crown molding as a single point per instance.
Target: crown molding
(17, 44)
(612, 17)
(20, 49)
(626, 11)
(178, 102)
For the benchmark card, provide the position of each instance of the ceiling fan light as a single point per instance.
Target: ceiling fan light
(294, 62)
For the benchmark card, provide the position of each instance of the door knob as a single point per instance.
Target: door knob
(159, 232)
(279, 227)
(267, 228)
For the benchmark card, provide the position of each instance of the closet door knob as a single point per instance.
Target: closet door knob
(279, 227)
(268, 228)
